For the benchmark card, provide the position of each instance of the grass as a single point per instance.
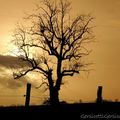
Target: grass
(62, 111)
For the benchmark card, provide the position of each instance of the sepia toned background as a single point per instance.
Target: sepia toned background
(105, 55)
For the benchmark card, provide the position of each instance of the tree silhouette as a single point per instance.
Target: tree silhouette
(53, 44)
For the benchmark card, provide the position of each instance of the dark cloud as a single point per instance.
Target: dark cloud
(11, 62)
(8, 61)
(7, 64)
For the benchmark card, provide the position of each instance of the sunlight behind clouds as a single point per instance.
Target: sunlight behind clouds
(7, 80)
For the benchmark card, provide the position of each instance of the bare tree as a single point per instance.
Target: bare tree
(53, 44)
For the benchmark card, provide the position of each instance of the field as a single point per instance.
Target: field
(74, 111)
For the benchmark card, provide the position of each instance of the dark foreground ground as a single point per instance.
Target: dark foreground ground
(64, 111)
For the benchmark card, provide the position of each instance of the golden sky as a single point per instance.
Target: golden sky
(105, 55)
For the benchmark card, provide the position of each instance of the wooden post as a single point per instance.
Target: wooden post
(28, 89)
(99, 94)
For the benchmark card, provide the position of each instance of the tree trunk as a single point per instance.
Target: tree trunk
(54, 97)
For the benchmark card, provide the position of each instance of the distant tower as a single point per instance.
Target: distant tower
(99, 94)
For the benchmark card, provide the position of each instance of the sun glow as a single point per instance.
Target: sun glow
(14, 52)
(9, 48)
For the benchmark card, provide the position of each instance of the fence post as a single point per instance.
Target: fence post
(28, 89)
(99, 94)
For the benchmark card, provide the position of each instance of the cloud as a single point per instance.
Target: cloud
(7, 63)
(7, 80)
(11, 62)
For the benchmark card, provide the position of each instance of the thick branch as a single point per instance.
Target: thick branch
(69, 72)
(17, 76)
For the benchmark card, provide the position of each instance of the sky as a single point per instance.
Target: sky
(105, 54)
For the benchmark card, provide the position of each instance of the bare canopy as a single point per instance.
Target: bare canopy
(53, 43)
